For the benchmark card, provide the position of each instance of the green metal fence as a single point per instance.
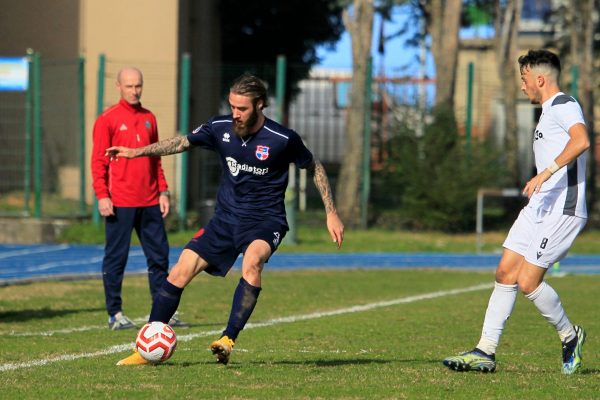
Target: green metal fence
(43, 132)
(42, 141)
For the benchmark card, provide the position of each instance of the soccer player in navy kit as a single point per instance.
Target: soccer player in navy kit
(255, 153)
(547, 226)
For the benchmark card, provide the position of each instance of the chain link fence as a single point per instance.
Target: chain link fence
(41, 143)
(43, 173)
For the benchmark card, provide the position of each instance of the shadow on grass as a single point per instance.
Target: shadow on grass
(200, 325)
(328, 363)
(43, 313)
(314, 363)
(187, 364)
(586, 371)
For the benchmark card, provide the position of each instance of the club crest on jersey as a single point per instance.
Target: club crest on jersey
(147, 124)
(226, 137)
(262, 152)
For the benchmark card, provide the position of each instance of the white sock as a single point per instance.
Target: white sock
(548, 303)
(502, 301)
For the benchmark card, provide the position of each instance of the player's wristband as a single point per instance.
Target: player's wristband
(165, 193)
(553, 167)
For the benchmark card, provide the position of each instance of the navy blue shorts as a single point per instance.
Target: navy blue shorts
(220, 243)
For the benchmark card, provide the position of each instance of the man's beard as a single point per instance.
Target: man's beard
(244, 129)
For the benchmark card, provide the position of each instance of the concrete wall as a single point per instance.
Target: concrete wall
(485, 85)
(141, 33)
(50, 27)
(30, 230)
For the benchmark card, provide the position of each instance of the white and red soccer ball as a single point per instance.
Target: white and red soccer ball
(156, 342)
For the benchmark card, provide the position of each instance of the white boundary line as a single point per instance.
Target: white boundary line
(52, 333)
(28, 251)
(293, 318)
(67, 263)
(68, 330)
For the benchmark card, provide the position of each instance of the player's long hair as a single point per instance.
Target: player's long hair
(251, 86)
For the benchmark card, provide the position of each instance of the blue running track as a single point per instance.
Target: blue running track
(24, 263)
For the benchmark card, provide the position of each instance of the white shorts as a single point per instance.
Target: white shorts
(543, 240)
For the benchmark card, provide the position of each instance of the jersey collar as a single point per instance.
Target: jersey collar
(129, 107)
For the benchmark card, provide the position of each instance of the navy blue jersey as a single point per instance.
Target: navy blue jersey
(255, 169)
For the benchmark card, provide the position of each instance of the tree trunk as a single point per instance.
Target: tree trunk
(586, 94)
(506, 50)
(443, 22)
(360, 27)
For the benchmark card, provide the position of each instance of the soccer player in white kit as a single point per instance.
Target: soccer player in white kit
(547, 226)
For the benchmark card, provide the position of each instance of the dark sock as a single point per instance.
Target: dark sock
(572, 342)
(492, 356)
(244, 301)
(165, 302)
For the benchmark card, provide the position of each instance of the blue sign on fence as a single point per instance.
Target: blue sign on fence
(14, 74)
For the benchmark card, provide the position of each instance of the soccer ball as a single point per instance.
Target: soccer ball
(156, 342)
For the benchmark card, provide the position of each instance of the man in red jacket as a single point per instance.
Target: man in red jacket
(131, 194)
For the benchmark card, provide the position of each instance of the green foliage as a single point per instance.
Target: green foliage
(477, 13)
(82, 233)
(256, 32)
(433, 180)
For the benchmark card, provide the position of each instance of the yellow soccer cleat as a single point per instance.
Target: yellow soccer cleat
(134, 359)
(222, 349)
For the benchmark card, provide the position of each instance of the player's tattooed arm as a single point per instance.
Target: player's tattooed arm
(176, 144)
(322, 184)
(334, 224)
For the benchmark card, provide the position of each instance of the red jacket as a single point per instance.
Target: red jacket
(133, 182)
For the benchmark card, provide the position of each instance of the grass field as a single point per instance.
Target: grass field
(350, 334)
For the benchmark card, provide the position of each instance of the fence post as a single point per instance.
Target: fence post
(37, 136)
(184, 121)
(290, 193)
(99, 110)
(469, 119)
(574, 79)
(28, 125)
(81, 103)
(366, 162)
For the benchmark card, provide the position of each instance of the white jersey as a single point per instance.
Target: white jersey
(564, 192)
